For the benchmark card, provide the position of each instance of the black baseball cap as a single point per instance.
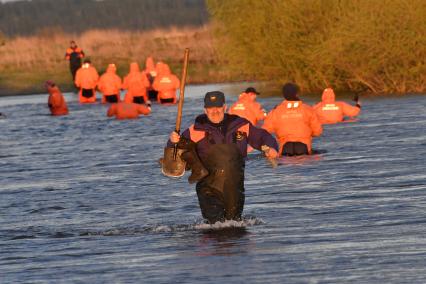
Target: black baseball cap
(251, 90)
(214, 99)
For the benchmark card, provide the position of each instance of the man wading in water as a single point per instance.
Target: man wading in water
(214, 147)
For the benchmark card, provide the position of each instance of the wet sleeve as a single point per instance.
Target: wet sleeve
(112, 110)
(145, 80)
(349, 110)
(155, 84)
(268, 124)
(77, 80)
(260, 112)
(186, 134)
(258, 137)
(49, 102)
(315, 124)
(55, 101)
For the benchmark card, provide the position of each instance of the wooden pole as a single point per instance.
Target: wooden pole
(181, 97)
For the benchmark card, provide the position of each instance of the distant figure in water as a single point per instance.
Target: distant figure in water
(2, 115)
(151, 73)
(136, 83)
(74, 54)
(125, 110)
(294, 123)
(330, 111)
(215, 148)
(165, 84)
(247, 107)
(56, 100)
(86, 80)
(110, 85)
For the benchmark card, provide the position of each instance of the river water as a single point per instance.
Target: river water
(82, 200)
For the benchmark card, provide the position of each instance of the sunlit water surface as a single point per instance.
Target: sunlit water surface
(82, 200)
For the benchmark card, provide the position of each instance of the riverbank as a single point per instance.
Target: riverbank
(29, 61)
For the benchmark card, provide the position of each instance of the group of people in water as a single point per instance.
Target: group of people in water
(215, 146)
(155, 82)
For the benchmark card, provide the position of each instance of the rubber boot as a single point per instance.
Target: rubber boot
(198, 171)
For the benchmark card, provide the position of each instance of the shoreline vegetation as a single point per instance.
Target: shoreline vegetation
(28, 61)
(364, 47)
(361, 46)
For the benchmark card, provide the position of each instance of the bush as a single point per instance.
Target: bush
(348, 45)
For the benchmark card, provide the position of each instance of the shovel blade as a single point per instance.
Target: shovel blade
(171, 167)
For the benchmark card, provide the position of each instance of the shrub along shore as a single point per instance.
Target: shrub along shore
(377, 46)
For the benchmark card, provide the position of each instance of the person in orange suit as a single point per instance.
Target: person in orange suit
(166, 84)
(56, 101)
(151, 73)
(294, 123)
(74, 54)
(125, 110)
(110, 85)
(86, 79)
(330, 111)
(136, 84)
(247, 107)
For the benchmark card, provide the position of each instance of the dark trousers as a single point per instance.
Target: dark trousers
(87, 93)
(139, 100)
(166, 101)
(111, 98)
(295, 149)
(152, 95)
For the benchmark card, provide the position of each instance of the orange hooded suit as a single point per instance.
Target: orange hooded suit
(166, 84)
(329, 111)
(86, 79)
(248, 108)
(110, 84)
(136, 84)
(56, 101)
(127, 110)
(293, 121)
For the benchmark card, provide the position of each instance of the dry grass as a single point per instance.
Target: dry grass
(28, 61)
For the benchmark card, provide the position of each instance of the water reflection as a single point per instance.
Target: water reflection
(224, 242)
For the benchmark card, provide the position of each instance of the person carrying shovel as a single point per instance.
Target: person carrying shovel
(214, 148)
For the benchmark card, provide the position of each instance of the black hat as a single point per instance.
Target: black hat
(290, 92)
(214, 99)
(251, 90)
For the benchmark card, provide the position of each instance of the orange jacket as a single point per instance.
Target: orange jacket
(166, 83)
(329, 111)
(56, 101)
(110, 83)
(87, 78)
(135, 83)
(293, 121)
(70, 51)
(127, 110)
(248, 108)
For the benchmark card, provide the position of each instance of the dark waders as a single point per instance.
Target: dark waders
(295, 149)
(75, 64)
(221, 193)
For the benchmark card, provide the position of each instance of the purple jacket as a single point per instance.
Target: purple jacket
(233, 129)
